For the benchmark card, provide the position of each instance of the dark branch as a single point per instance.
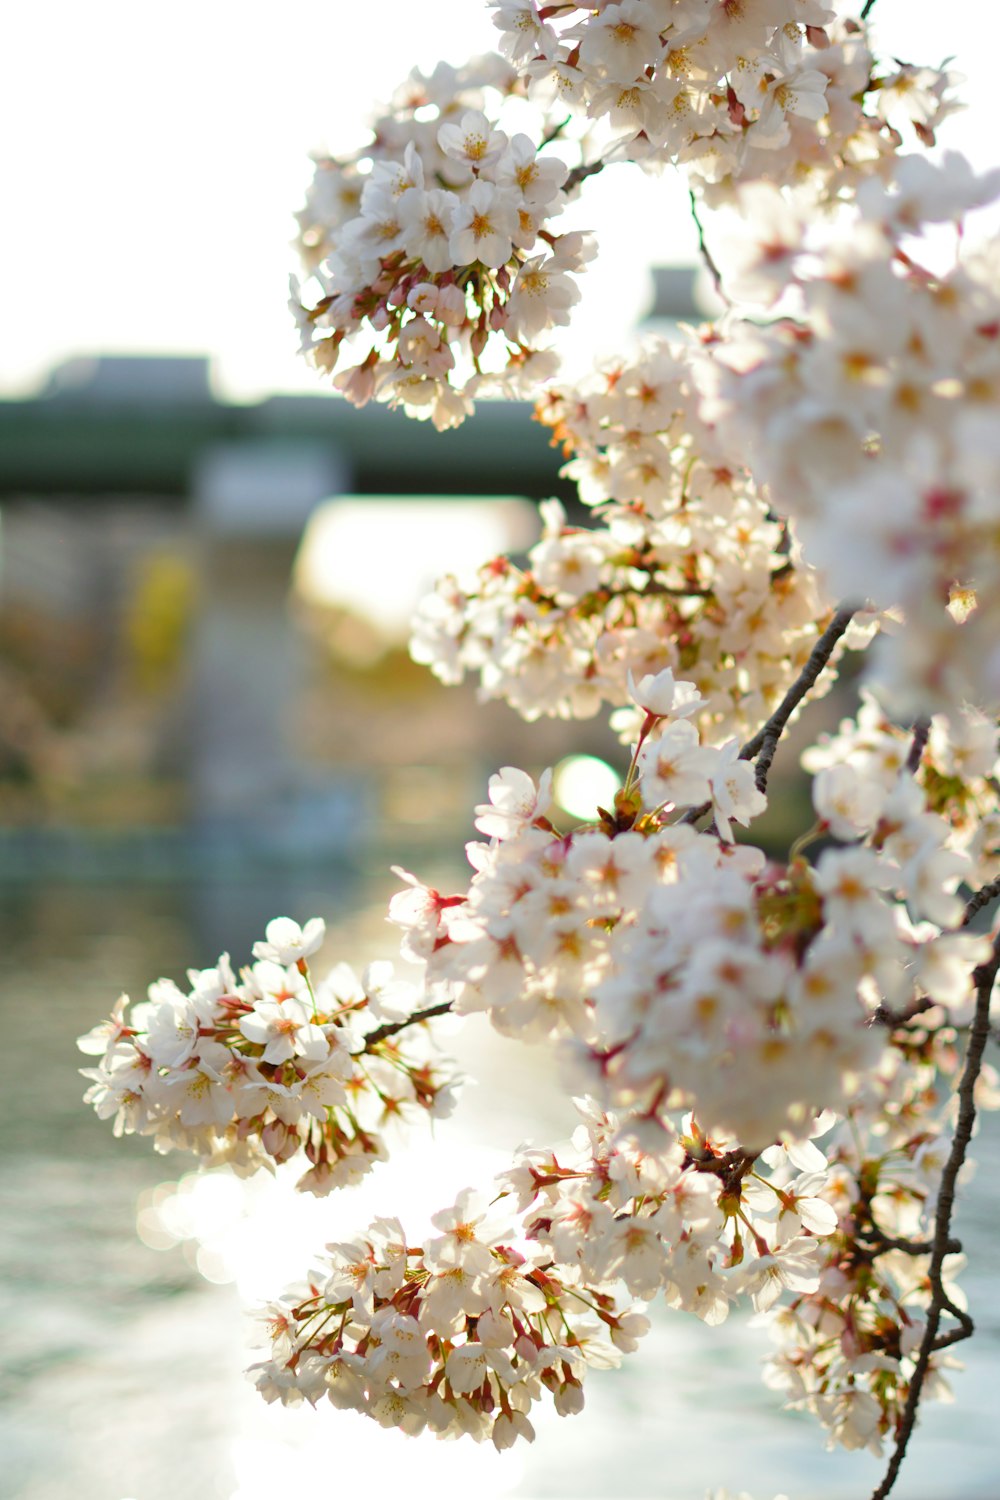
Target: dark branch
(581, 173)
(918, 745)
(868, 8)
(940, 1302)
(706, 254)
(886, 1016)
(982, 898)
(765, 741)
(966, 1327)
(392, 1027)
(873, 1236)
(554, 133)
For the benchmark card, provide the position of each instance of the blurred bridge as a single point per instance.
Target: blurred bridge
(135, 425)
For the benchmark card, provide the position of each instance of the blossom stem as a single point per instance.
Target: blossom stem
(940, 1302)
(804, 840)
(303, 969)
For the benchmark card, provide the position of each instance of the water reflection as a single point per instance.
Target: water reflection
(122, 1366)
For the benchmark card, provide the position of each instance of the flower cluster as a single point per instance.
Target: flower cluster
(688, 569)
(779, 91)
(259, 1069)
(958, 772)
(688, 968)
(462, 1335)
(847, 1349)
(869, 413)
(660, 1207)
(437, 244)
(466, 1332)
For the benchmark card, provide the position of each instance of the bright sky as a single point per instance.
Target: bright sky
(154, 156)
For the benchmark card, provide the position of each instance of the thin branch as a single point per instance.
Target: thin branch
(894, 1019)
(555, 132)
(706, 254)
(868, 8)
(765, 742)
(940, 1302)
(966, 1327)
(581, 173)
(390, 1028)
(879, 1242)
(982, 897)
(921, 731)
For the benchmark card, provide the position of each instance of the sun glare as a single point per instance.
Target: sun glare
(377, 556)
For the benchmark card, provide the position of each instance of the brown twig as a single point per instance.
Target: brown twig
(886, 1016)
(918, 745)
(940, 1302)
(581, 173)
(982, 897)
(555, 132)
(880, 1241)
(390, 1028)
(706, 254)
(765, 742)
(869, 6)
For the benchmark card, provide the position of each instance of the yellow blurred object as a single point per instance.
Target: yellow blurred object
(157, 619)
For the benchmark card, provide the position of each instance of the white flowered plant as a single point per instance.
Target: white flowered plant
(778, 1060)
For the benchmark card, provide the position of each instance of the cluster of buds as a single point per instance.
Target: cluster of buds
(441, 252)
(256, 1070)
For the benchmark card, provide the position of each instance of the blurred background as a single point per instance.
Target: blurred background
(208, 717)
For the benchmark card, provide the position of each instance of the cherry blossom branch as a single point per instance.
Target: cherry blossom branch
(869, 6)
(894, 1019)
(581, 173)
(982, 897)
(921, 732)
(555, 132)
(390, 1028)
(706, 254)
(985, 976)
(765, 742)
(880, 1242)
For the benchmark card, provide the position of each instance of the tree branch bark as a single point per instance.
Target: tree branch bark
(765, 742)
(940, 1302)
(390, 1028)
